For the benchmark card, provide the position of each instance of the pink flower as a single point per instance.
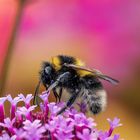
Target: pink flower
(13, 102)
(34, 129)
(26, 123)
(26, 99)
(115, 123)
(61, 135)
(5, 136)
(44, 96)
(25, 111)
(116, 137)
(53, 108)
(8, 124)
(85, 135)
(81, 120)
(20, 134)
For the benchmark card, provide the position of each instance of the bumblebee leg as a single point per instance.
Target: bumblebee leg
(60, 94)
(55, 94)
(69, 102)
(35, 100)
(61, 79)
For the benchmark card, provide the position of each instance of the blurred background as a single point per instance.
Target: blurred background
(104, 34)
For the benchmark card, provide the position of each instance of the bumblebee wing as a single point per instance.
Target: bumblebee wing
(95, 72)
(109, 79)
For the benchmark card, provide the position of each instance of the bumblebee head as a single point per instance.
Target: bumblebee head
(47, 73)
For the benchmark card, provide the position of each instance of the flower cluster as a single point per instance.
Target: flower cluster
(25, 123)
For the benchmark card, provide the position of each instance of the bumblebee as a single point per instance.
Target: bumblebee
(70, 73)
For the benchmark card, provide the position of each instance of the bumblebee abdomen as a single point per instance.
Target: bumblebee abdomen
(94, 94)
(96, 100)
(101, 102)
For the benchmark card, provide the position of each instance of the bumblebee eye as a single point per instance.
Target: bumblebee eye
(48, 70)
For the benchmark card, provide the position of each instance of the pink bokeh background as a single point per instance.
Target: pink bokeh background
(104, 34)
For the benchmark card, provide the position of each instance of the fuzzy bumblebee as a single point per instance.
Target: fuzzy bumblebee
(70, 73)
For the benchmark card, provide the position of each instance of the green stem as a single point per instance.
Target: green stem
(10, 47)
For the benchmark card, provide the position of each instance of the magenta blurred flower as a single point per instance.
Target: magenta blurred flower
(28, 124)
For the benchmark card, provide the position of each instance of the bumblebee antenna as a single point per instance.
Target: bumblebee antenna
(35, 101)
